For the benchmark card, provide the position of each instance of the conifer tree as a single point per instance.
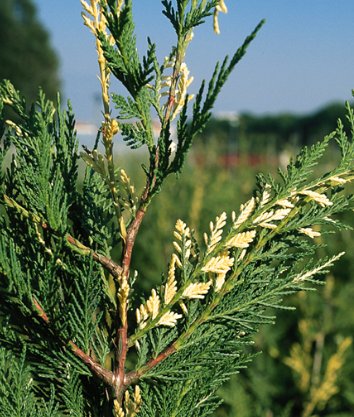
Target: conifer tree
(26, 55)
(77, 338)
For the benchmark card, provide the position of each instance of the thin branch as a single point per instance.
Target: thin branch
(112, 267)
(122, 329)
(131, 237)
(104, 374)
(122, 332)
(121, 357)
(41, 313)
(134, 376)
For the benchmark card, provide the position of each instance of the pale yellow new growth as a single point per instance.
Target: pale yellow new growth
(137, 395)
(182, 233)
(132, 405)
(300, 278)
(126, 180)
(321, 199)
(285, 203)
(178, 262)
(241, 240)
(171, 285)
(189, 36)
(153, 304)
(119, 6)
(245, 211)
(177, 247)
(166, 82)
(183, 307)
(242, 255)
(138, 314)
(137, 398)
(181, 96)
(118, 409)
(280, 214)
(96, 21)
(132, 200)
(221, 7)
(308, 231)
(148, 310)
(268, 225)
(187, 245)
(123, 294)
(181, 229)
(215, 232)
(219, 264)
(265, 218)
(328, 219)
(265, 196)
(7, 100)
(110, 128)
(334, 181)
(169, 319)
(197, 290)
(14, 126)
(141, 316)
(219, 282)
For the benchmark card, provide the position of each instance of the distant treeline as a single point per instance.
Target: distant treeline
(276, 130)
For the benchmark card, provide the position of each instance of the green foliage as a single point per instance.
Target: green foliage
(124, 60)
(43, 167)
(73, 316)
(257, 390)
(17, 395)
(35, 261)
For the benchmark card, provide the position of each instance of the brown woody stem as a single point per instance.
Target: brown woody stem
(134, 376)
(121, 358)
(122, 332)
(131, 236)
(104, 374)
(108, 264)
(41, 313)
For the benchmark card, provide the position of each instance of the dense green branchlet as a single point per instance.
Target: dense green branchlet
(76, 338)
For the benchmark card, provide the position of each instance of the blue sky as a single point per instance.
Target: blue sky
(303, 57)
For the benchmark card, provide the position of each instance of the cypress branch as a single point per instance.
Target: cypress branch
(72, 316)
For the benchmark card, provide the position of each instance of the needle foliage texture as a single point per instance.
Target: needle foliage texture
(76, 336)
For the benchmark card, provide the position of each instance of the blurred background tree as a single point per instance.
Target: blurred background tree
(27, 58)
(271, 130)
